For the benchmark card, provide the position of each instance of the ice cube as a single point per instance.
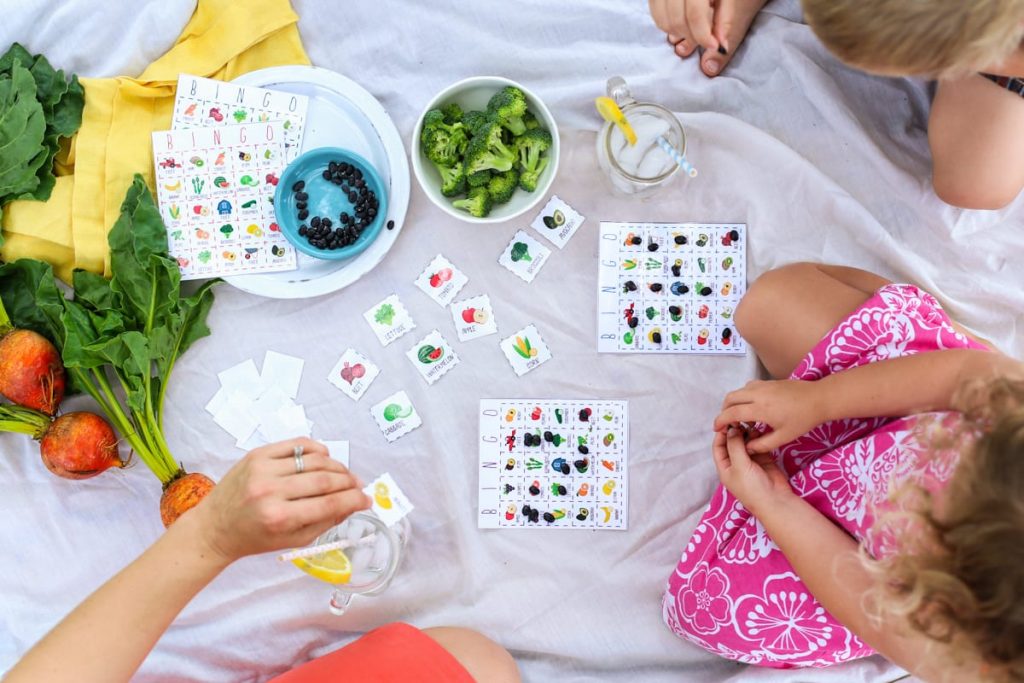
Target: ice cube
(381, 554)
(355, 530)
(360, 557)
(654, 163)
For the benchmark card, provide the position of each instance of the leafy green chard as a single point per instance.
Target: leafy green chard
(119, 338)
(38, 106)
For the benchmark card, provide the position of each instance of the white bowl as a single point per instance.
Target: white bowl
(473, 93)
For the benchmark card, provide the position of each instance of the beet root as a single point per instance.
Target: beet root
(79, 445)
(183, 494)
(31, 372)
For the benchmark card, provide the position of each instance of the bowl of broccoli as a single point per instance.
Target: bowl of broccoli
(485, 149)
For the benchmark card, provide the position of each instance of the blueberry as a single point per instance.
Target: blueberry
(630, 286)
(636, 241)
(326, 222)
(565, 468)
(583, 449)
(360, 183)
(299, 184)
(706, 291)
(680, 239)
(300, 206)
(549, 518)
(352, 197)
(734, 235)
(656, 337)
(326, 174)
(303, 215)
(315, 222)
(343, 217)
(549, 437)
(726, 333)
(653, 246)
(333, 166)
(391, 225)
(655, 286)
(303, 230)
(534, 515)
(675, 310)
(534, 491)
(634, 321)
(301, 196)
(561, 490)
(677, 270)
(526, 510)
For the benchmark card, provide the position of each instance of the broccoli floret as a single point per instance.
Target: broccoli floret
(508, 106)
(474, 121)
(528, 179)
(443, 143)
(478, 203)
(530, 121)
(453, 179)
(479, 179)
(503, 185)
(487, 151)
(530, 146)
(452, 113)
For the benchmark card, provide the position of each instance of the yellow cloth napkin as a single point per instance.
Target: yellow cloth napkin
(224, 39)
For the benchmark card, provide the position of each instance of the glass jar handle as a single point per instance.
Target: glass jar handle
(340, 601)
(619, 91)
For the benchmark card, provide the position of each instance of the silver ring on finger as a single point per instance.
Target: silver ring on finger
(300, 465)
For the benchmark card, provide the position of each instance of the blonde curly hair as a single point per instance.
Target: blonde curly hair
(959, 579)
(932, 38)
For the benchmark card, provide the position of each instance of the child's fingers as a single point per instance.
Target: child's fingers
(720, 454)
(737, 397)
(745, 412)
(699, 15)
(730, 26)
(737, 448)
(766, 443)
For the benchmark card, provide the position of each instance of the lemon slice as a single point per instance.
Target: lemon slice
(332, 566)
(610, 111)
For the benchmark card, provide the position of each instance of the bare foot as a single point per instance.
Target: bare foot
(732, 20)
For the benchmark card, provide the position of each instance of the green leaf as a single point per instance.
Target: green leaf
(33, 119)
(22, 127)
(32, 299)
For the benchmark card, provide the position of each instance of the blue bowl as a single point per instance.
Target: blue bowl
(326, 200)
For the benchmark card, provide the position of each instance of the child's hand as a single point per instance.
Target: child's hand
(790, 407)
(755, 480)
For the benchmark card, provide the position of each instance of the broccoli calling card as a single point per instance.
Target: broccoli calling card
(486, 154)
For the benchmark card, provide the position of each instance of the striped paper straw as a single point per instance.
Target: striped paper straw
(325, 548)
(667, 147)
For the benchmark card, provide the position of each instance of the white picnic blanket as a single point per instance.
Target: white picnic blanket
(821, 162)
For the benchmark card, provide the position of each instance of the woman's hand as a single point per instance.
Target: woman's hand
(717, 26)
(263, 504)
(790, 407)
(755, 480)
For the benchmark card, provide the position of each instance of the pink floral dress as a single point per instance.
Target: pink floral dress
(733, 592)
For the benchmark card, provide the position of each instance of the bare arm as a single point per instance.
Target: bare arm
(823, 555)
(889, 388)
(262, 504)
(138, 604)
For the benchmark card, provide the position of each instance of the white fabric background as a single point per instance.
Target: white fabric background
(821, 162)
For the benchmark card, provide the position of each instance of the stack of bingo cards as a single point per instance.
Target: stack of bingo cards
(216, 174)
(670, 287)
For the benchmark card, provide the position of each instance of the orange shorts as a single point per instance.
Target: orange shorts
(396, 653)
